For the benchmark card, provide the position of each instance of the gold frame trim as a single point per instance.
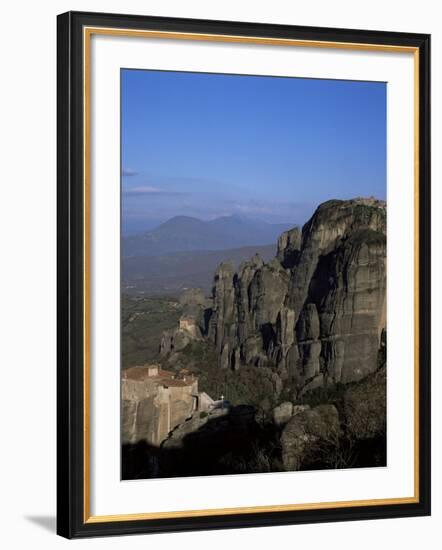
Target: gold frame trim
(87, 33)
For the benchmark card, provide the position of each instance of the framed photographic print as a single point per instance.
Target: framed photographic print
(243, 274)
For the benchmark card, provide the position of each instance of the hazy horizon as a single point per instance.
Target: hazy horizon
(153, 224)
(267, 148)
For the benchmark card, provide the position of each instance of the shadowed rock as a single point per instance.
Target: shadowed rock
(316, 312)
(365, 406)
(289, 246)
(305, 434)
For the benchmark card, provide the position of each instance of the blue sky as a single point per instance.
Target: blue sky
(209, 145)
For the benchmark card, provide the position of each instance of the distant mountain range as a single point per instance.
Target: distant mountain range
(186, 234)
(173, 273)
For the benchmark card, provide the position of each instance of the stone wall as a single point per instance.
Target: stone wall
(153, 405)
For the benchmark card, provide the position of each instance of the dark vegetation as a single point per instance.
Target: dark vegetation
(249, 385)
(172, 273)
(256, 451)
(222, 445)
(362, 412)
(143, 320)
(225, 445)
(231, 444)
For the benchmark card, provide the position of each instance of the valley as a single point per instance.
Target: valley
(289, 337)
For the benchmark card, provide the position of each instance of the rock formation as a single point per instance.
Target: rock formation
(191, 324)
(282, 413)
(213, 429)
(316, 312)
(309, 433)
(365, 406)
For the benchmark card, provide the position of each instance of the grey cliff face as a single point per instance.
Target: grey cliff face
(316, 312)
(289, 245)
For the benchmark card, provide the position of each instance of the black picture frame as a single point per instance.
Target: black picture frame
(71, 498)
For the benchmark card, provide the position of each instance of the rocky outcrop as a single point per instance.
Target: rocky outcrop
(282, 413)
(220, 423)
(174, 340)
(191, 325)
(365, 406)
(285, 411)
(247, 306)
(307, 434)
(289, 246)
(316, 312)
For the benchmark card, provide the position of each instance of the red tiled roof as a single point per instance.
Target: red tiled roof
(136, 373)
(165, 377)
(140, 373)
(166, 373)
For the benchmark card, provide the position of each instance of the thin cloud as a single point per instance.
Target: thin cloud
(128, 172)
(149, 190)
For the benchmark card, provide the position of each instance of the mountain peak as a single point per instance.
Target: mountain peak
(181, 219)
(185, 233)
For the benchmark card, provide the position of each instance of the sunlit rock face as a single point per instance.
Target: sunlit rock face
(316, 312)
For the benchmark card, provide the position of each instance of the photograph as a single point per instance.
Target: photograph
(253, 274)
(243, 271)
(219, 242)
